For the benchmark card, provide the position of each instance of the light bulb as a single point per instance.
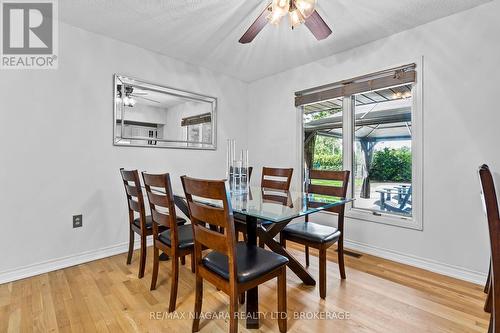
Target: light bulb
(280, 7)
(306, 7)
(274, 18)
(132, 101)
(296, 18)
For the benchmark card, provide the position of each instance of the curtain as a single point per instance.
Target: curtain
(367, 147)
(309, 144)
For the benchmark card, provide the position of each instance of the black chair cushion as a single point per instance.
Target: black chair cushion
(312, 232)
(184, 235)
(149, 222)
(251, 262)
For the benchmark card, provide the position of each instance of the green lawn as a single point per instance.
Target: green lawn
(336, 183)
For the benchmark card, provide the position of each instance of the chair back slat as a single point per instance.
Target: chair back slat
(160, 218)
(135, 198)
(131, 190)
(339, 181)
(276, 196)
(158, 199)
(219, 215)
(209, 214)
(211, 239)
(134, 205)
(333, 191)
(490, 203)
(161, 203)
(276, 178)
(129, 175)
(326, 174)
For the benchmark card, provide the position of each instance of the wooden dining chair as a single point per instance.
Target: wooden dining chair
(272, 178)
(143, 224)
(176, 241)
(319, 236)
(490, 203)
(231, 266)
(276, 178)
(487, 291)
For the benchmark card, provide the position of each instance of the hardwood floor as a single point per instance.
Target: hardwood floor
(106, 296)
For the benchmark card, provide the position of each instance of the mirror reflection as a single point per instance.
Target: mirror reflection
(156, 116)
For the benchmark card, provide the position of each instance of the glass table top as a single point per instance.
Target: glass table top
(278, 206)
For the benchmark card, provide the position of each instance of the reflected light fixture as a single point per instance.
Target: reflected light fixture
(128, 101)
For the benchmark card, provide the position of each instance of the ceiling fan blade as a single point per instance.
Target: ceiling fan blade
(256, 27)
(318, 26)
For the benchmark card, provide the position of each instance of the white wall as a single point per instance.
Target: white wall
(461, 131)
(56, 152)
(57, 157)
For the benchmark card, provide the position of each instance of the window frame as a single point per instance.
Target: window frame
(416, 220)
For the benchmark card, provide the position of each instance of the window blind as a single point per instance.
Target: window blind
(198, 119)
(383, 79)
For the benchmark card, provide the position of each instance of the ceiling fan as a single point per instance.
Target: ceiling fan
(128, 100)
(299, 11)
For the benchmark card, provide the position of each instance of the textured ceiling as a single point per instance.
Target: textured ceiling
(206, 32)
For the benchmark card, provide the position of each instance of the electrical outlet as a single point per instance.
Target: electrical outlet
(77, 221)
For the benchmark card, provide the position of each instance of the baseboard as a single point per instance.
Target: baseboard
(64, 262)
(430, 265)
(68, 261)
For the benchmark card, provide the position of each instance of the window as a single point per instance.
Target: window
(323, 148)
(382, 159)
(371, 126)
(198, 129)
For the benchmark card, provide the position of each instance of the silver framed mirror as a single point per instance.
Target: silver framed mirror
(151, 115)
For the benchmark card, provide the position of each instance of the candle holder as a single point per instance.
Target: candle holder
(237, 169)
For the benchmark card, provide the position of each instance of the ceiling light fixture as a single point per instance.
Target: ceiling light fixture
(297, 10)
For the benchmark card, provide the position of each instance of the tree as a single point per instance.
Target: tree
(392, 165)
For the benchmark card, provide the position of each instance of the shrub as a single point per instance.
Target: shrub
(391, 165)
(328, 162)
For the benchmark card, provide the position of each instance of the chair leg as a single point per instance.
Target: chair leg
(175, 282)
(156, 264)
(488, 280)
(488, 303)
(322, 272)
(142, 263)
(233, 312)
(340, 253)
(282, 307)
(307, 256)
(183, 260)
(130, 246)
(192, 263)
(282, 241)
(197, 304)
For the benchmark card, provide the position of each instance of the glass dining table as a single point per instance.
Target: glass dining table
(266, 212)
